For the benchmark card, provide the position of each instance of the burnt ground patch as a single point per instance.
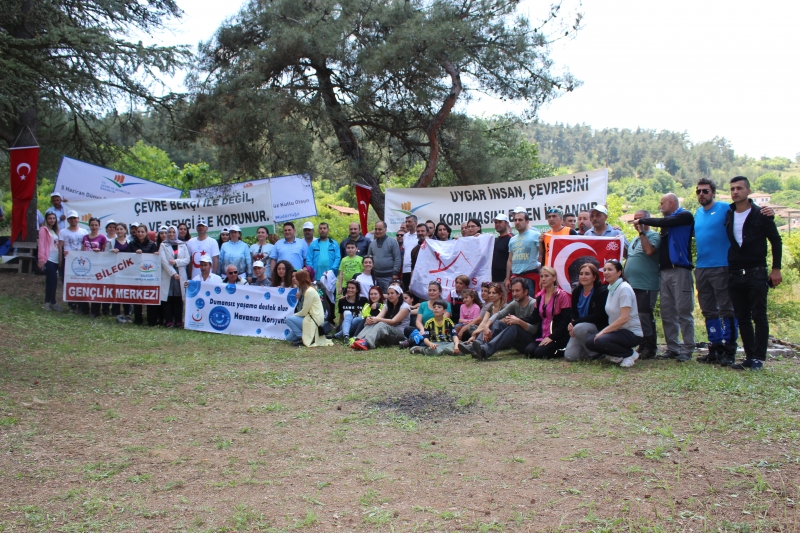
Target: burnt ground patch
(427, 405)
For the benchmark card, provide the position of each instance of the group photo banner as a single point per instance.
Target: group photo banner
(248, 209)
(292, 196)
(112, 278)
(239, 309)
(443, 261)
(80, 180)
(456, 205)
(568, 253)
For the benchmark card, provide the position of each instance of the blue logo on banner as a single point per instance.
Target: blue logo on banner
(219, 318)
(286, 332)
(81, 266)
(199, 303)
(291, 299)
(217, 290)
(246, 296)
(230, 288)
(281, 290)
(208, 293)
(266, 296)
(192, 289)
(258, 332)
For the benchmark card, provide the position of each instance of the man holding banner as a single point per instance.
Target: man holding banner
(203, 245)
(523, 261)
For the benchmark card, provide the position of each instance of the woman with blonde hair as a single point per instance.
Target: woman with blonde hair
(309, 314)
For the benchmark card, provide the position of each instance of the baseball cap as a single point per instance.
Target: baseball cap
(54, 194)
(308, 225)
(235, 228)
(135, 225)
(258, 264)
(206, 259)
(72, 214)
(519, 209)
(201, 222)
(556, 210)
(501, 216)
(163, 228)
(224, 230)
(600, 209)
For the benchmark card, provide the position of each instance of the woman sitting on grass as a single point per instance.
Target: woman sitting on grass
(624, 331)
(386, 329)
(554, 306)
(371, 309)
(588, 313)
(350, 306)
(495, 301)
(304, 323)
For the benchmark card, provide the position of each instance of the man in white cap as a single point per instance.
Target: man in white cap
(599, 217)
(308, 233)
(501, 250)
(205, 274)
(260, 275)
(203, 245)
(523, 259)
(59, 209)
(70, 239)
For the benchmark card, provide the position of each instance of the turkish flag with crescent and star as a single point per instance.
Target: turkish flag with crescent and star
(569, 252)
(363, 195)
(24, 162)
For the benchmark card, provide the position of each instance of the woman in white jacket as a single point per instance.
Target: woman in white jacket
(174, 258)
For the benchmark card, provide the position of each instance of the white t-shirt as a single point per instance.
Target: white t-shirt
(738, 224)
(73, 240)
(212, 278)
(410, 240)
(365, 282)
(624, 296)
(198, 249)
(53, 256)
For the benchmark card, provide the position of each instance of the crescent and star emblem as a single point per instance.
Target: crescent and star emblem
(25, 175)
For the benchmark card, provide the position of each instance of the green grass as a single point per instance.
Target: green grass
(177, 430)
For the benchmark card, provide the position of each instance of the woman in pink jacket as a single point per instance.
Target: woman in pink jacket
(49, 260)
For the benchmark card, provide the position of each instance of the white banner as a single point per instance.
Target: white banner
(79, 180)
(443, 261)
(292, 196)
(249, 209)
(238, 309)
(112, 278)
(456, 205)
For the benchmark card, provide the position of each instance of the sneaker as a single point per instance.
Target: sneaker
(615, 360)
(748, 364)
(121, 320)
(479, 350)
(628, 361)
(466, 349)
(359, 344)
(350, 341)
(669, 354)
(682, 358)
(47, 307)
(57, 308)
(417, 350)
(647, 354)
(403, 345)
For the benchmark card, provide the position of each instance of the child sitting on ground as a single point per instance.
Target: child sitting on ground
(470, 314)
(440, 334)
(456, 296)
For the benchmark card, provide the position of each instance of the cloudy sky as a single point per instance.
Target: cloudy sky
(710, 68)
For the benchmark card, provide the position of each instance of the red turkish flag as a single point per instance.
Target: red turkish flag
(24, 162)
(363, 195)
(579, 249)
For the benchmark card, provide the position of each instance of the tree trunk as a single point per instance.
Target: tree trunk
(432, 131)
(347, 139)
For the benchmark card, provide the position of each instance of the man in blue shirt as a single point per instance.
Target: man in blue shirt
(523, 257)
(712, 273)
(323, 254)
(288, 249)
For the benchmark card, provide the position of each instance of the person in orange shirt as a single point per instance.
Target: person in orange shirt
(555, 217)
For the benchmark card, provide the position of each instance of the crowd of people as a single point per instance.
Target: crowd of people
(358, 290)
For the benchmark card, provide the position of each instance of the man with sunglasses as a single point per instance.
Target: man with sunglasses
(712, 274)
(677, 284)
(232, 276)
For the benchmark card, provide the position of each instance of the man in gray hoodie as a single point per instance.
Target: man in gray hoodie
(386, 257)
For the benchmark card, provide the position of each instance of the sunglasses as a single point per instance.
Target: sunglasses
(702, 191)
(233, 272)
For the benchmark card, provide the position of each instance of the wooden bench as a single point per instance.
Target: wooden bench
(26, 252)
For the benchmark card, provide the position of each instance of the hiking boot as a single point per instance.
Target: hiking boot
(748, 364)
(714, 353)
(682, 358)
(667, 355)
(466, 349)
(628, 361)
(403, 345)
(647, 354)
(47, 307)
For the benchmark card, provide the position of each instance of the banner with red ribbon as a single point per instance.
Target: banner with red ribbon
(363, 195)
(24, 162)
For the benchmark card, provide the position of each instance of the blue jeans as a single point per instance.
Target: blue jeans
(295, 325)
(357, 325)
(50, 282)
(347, 324)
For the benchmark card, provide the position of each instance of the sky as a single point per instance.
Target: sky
(709, 68)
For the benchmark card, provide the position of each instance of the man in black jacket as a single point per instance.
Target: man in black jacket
(749, 282)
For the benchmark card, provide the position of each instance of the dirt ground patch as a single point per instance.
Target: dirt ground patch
(108, 427)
